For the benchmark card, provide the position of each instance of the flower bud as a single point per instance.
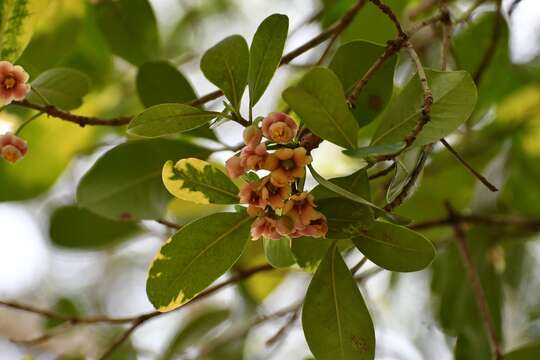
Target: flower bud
(252, 135)
(279, 127)
(234, 167)
(12, 148)
(13, 84)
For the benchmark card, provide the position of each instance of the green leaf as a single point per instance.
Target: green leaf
(61, 87)
(278, 252)
(395, 247)
(345, 217)
(76, 228)
(64, 306)
(130, 28)
(454, 98)
(405, 165)
(350, 63)
(336, 321)
(309, 251)
(199, 181)
(168, 119)
(159, 82)
(125, 183)
(226, 65)
(195, 257)
(356, 183)
(320, 102)
(375, 150)
(194, 331)
(528, 352)
(17, 21)
(265, 54)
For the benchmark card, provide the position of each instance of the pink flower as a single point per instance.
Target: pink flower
(13, 84)
(12, 148)
(252, 135)
(279, 127)
(300, 208)
(234, 167)
(265, 227)
(253, 157)
(263, 193)
(286, 164)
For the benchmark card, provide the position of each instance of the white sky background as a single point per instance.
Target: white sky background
(31, 270)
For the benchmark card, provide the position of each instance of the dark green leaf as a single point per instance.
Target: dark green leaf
(309, 251)
(125, 183)
(159, 82)
(345, 217)
(350, 63)
(77, 228)
(454, 98)
(528, 352)
(265, 54)
(226, 65)
(375, 150)
(61, 87)
(395, 247)
(319, 100)
(278, 252)
(168, 119)
(195, 257)
(336, 321)
(356, 183)
(130, 28)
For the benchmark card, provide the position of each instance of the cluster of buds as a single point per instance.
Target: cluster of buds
(279, 210)
(12, 148)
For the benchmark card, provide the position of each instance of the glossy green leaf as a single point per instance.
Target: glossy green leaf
(61, 87)
(199, 181)
(196, 329)
(336, 321)
(395, 247)
(278, 252)
(159, 82)
(528, 352)
(309, 251)
(454, 98)
(130, 28)
(356, 183)
(375, 150)
(350, 63)
(125, 183)
(265, 54)
(168, 119)
(226, 65)
(76, 228)
(345, 217)
(320, 102)
(17, 22)
(195, 257)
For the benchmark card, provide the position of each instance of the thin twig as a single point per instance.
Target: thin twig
(446, 34)
(492, 220)
(169, 224)
(383, 172)
(492, 46)
(479, 176)
(476, 286)
(359, 265)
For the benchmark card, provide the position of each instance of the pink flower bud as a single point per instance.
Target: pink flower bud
(234, 167)
(279, 127)
(253, 157)
(252, 136)
(12, 148)
(13, 84)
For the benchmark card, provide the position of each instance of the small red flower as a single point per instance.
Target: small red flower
(13, 84)
(12, 148)
(279, 127)
(286, 164)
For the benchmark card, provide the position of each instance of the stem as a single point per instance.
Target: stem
(24, 124)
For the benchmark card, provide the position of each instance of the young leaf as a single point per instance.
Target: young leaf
(454, 98)
(130, 28)
(319, 100)
(226, 65)
(159, 82)
(309, 251)
(375, 150)
(195, 257)
(76, 228)
(61, 87)
(336, 321)
(278, 252)
(356, 183)
(350, 63)
(345, 217)
(168, 119)
(125, 183)
(64, 306)
(405, 165)
(17, 21)
(265, 54)
(395, 247)
(198, 181)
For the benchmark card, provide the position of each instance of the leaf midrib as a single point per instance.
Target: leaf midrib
(207, 185)
(335, 298)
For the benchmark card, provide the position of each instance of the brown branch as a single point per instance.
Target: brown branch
(169, 224)
(492, 46)
(493, 220)
(476, 286)
(391, 15)
(383, 172)
(446, 34)
(479, 176)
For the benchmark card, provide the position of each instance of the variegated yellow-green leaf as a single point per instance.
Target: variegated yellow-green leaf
(17, 21)
(199, 181)
(195, 257)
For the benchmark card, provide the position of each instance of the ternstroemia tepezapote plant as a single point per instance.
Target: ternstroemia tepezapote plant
(347, 98)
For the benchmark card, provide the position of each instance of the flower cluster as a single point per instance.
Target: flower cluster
(278, 208)
(12, 148)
